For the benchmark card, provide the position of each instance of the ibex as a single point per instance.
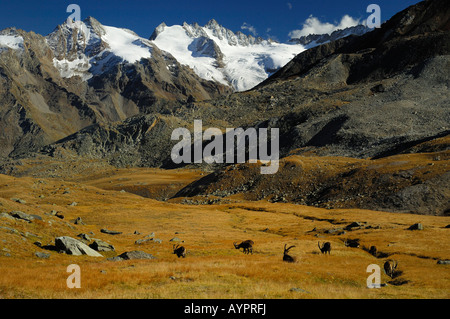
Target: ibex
(179, 251)
(326, 247)
(389, 267)
(246, 245)
(286, 257)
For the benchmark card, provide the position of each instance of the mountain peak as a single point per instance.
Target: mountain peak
(160, 28)
(91, 20)
(212, 24)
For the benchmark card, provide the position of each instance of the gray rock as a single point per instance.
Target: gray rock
(74, 247)
(84, 237)
(110, 232)
(143, 241)
(22, 215)
(37, 217)
(42, 255)
(116, 258)
(136, 254)
(18, 200)
(100, 245)
(333, 230)
(78, 221)
(443, 262)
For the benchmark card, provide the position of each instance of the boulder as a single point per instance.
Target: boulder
(74, 247)
(100, 245)
(84, 237)
(37, 217)
(42, 255)
(78, 221)
(22, 215)
(18, 200)
(130, 255)
(110, 232)
(143, 241)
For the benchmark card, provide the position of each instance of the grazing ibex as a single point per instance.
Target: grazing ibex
(286, 257)
(326, 247)
(179, 251)
(389, 267)
(246, 245)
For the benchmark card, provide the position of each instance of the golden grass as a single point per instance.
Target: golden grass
(212, 268)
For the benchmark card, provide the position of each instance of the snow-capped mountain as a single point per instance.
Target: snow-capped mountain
(88, 48)
(218, 54)
(215, 53)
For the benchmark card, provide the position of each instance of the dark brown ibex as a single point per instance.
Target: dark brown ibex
(179, 251)
(246, 245)
(389, 267)
(286, 257)
(326, 247)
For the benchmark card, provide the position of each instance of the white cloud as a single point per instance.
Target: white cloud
(250, 28)
(313, 25)
(289, 5)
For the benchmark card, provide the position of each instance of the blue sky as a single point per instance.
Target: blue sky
(274, 19)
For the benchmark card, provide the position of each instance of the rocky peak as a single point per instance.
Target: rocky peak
(313, 40)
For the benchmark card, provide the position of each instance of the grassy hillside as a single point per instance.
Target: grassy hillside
(212, 268)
